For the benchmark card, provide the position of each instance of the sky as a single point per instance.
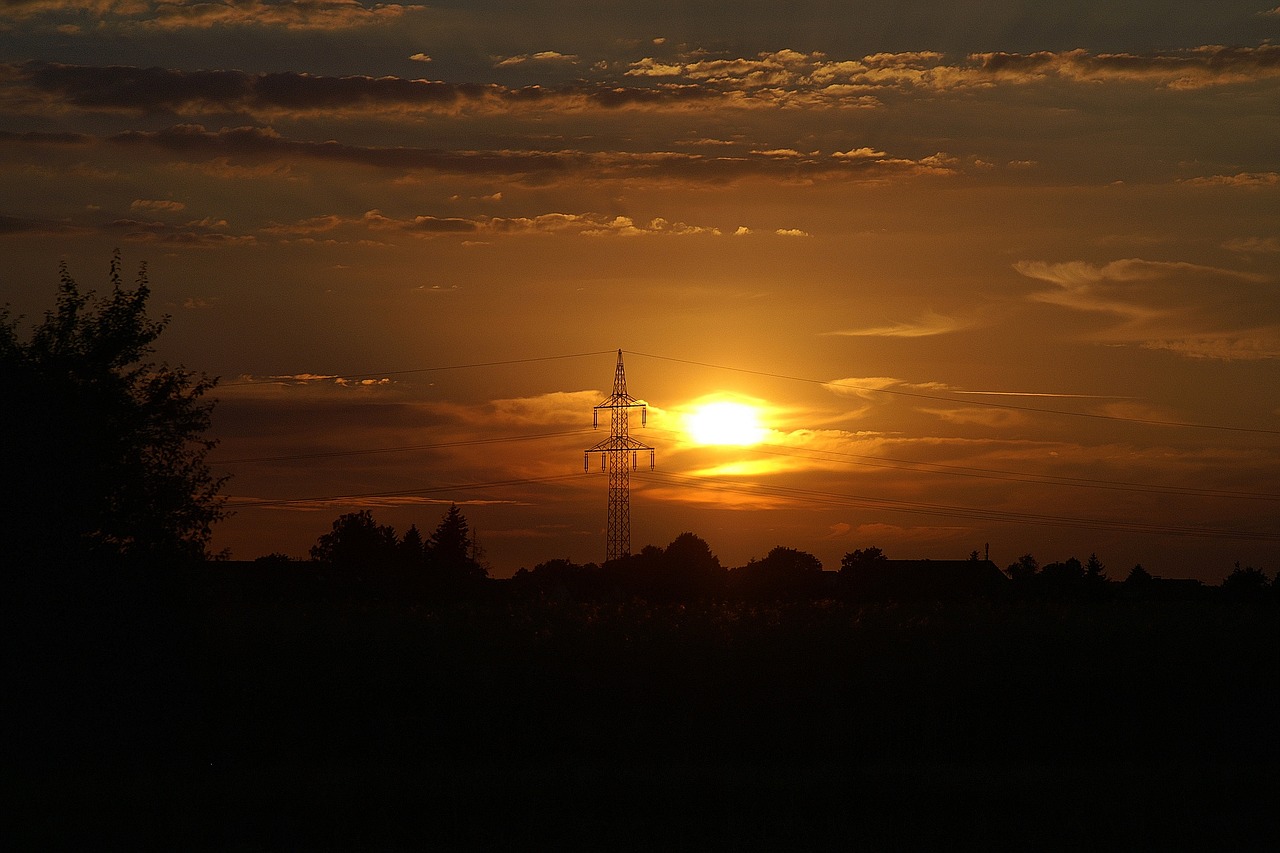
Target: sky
(994, 276)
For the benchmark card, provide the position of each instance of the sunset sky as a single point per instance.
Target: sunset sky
(991, 272)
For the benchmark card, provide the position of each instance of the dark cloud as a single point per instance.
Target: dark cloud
(11, 225)
(195, 141)
(784, 78)
(620, 96)
(1195, 68)
(437, 225)
(38, 138)
(295, 15)
(125, 87)
(135, 89)
(198, 234)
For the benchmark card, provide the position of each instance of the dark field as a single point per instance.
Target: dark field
(199, 717)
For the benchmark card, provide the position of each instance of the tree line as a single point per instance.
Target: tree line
(106, 450)
(361, 558)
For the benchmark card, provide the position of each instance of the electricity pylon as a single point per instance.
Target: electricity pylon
(618, 454)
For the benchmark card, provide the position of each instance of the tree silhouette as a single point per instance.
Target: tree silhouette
(1138, 575)
(413, 550)
(690, 554)
(357, 542)
(104, 451)
(450, 551)
(860, 557)
(1067, 573)
(783, 572)
(1245, 584)
(1024, 569)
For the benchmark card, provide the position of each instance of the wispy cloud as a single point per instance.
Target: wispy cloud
(1191, 309)
(869, 387)
(1244, 180)
(40, 86)
(157, 205)
(928, 325)
(542, 56)
(1260, 245)
(782, 79)
(1194, 68)
(788, 73)
(194, 141)
(164, 15)
(583, 224)
(33, 226)
(200, 233)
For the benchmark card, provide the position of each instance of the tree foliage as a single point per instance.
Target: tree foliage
(104, 450)
(356, 541)
(783, 572)
(861, 557)
(368, 552)
(1024, 569)
(1245, 583)
(450, 551)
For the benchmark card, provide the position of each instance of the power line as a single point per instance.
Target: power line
(772, 375)
(470, 366)
(1001, 475)
(404, 448)
(940, 398)
(273, 502)
(974, 513)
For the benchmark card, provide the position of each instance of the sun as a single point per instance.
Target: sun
(725, 422)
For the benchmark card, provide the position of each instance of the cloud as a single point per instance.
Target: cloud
(582, 224)
(1246, 180)
(41, 138)
(860, 154)
(1128, 269)
(1195, 68)
(40, 86)
(202, 233)
(540, 57)
(780, 75)
(1190, 309)
(557, 408)
(870, 387)
(1264, 344)
(299, 15)
(1253, 244)
(159, 205)
(29, 226)
(977, 416)
(194, 141)
(779, 79)
(930, 324)
(649, 67)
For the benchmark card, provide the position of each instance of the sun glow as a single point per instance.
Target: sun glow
(725, 422)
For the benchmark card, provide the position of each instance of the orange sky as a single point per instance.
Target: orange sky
(1002, 275)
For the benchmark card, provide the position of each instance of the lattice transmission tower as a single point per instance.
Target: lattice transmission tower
(618, 454)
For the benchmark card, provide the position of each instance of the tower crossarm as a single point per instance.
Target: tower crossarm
(624, 442)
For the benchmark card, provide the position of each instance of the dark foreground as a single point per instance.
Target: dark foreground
(189, 720)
